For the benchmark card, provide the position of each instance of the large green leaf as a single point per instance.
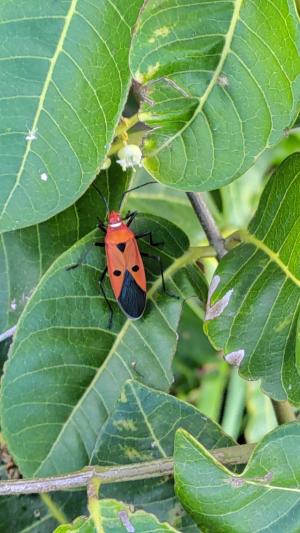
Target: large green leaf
(142, 428)
(117, 518)
(220, 86)
(66, 370)
(265, 497)
(26, 254)
(254, 297)
(64, 75)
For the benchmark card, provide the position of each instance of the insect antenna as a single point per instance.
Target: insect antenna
(102, 198)
(134, 189)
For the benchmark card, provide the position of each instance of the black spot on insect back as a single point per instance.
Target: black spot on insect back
(121, 246)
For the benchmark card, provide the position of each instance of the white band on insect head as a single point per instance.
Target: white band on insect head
(117, 225)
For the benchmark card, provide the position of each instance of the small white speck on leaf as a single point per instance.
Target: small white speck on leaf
(264, 479)
(37, 513)
(235, 358)
(13, 305)
(217, 308)
(31, 135)
(44, 176)
(223, 80)
(126, 522)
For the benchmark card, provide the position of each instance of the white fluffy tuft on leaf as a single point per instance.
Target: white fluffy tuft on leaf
(32, 135)
(130, 156)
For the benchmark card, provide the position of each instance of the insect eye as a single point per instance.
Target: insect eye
(135, 268)
(117, 273)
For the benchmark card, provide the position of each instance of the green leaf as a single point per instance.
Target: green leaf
(265, 497)
(26, 254)
(66, 369)
(254, 300)
(25, 513)
(64, 75)
(220, 87)
(38, 514)
(142, 428)
(117, 518)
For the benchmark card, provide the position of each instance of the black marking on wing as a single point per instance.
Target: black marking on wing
(121, 246)
(135, 268)
(117, 273)
(132, 298)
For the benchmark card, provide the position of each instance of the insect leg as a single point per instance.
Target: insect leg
(84, 255)
(102, 226)
(101, 280)
(130, 217)
(149, 234)
(158, 259)
(81, 258)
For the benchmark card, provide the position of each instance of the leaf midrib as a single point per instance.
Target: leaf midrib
(203, 99)
(42, 98)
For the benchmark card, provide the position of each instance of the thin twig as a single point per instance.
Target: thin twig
(7, 334)
(163, 467)
(208, 223)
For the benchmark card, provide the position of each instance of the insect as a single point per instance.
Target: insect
(124, 262)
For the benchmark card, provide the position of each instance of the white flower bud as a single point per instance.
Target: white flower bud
(130, 156)
(106, 163)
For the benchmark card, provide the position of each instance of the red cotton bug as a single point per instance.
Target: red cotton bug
(124, 262)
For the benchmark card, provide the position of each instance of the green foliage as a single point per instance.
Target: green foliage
(215, 71)
(38, 246)
(210, 88)
(142, 428)
(38, 514)
(64, 360)
(265, 496)
(66, 80)
(118, 518)
(254, 302)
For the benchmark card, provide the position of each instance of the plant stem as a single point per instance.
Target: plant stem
(234, 404)
(133, 138)
(8, 333)
(54, 509)
(284, 412)
(208, 223)
(126, 124)
(93, 503)
(116, 474)
(295, 130)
